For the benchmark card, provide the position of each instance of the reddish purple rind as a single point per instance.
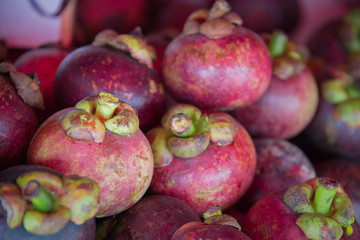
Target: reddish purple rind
(18, 124)
(325, 43)
(43, 61)
(284, 110)
(89, 70)
(270, 219)
(235, 73)
(93, 16)
(218, 176)
(328, 132)
(153, 217)
(117, 161)
(202, 231)
(266, 15)
(280, 164)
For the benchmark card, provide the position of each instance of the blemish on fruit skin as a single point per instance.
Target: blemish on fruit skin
(253, 84)
(152, 86)
(170, 183)
(93, 86)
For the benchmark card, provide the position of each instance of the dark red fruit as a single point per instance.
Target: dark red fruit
(215, 226)
(216, 63)
(98, 138)
(347, 173)
(118, 64)
(160, 40)
(18, 122)
(280, 165)
(202, 158)
(26, 215)
(336, 125)
(44, 61)
(94, 16)
(338, 39)
(268, 15)
(290, 102)
(172, 14)
(153, 217)
(316, 209)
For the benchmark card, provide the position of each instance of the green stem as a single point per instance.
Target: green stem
(352, 31)
(324, 195)
(277, 45)
(106, 105)
(214, 210)
(41, 199)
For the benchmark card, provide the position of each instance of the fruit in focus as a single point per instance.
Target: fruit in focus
(100, 139)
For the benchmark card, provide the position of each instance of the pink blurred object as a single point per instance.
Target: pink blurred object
(314, 15)
(23, 27)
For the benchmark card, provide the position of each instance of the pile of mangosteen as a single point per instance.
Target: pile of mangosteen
(174, 120)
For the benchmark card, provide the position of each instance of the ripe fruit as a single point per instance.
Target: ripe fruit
(119, 64)
(18, 122)
(98, 138)
(289, 104)
(316, 209)
(44, 61)
(202, 158)
(216, 63)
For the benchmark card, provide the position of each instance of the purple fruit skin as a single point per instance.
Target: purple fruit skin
(218, 176)
(71, 231)
(270, 219)
(90, 69)
(325, 43)
(268, 15)
(280, 165)
(44, 61)
(203, 231)
(153, 217)
(18, 124)
(284, 110)
(331, 134)
(347, 173)
(236, 71)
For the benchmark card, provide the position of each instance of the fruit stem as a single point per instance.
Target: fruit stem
(212, 211)
(277, 44)
(181, 125)
(324, 195)
(106, 105)
(353, 40)
(41, 199)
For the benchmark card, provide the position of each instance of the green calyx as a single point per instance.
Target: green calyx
(344, 92)
(133, 43)
(287, 57)
(324, 209)
(214, 216)
(94, 115)
(349, 112)
(350, 32)
(340, 88)
(186, 133)
(44, 203)
(277, 44)
(217, 22)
